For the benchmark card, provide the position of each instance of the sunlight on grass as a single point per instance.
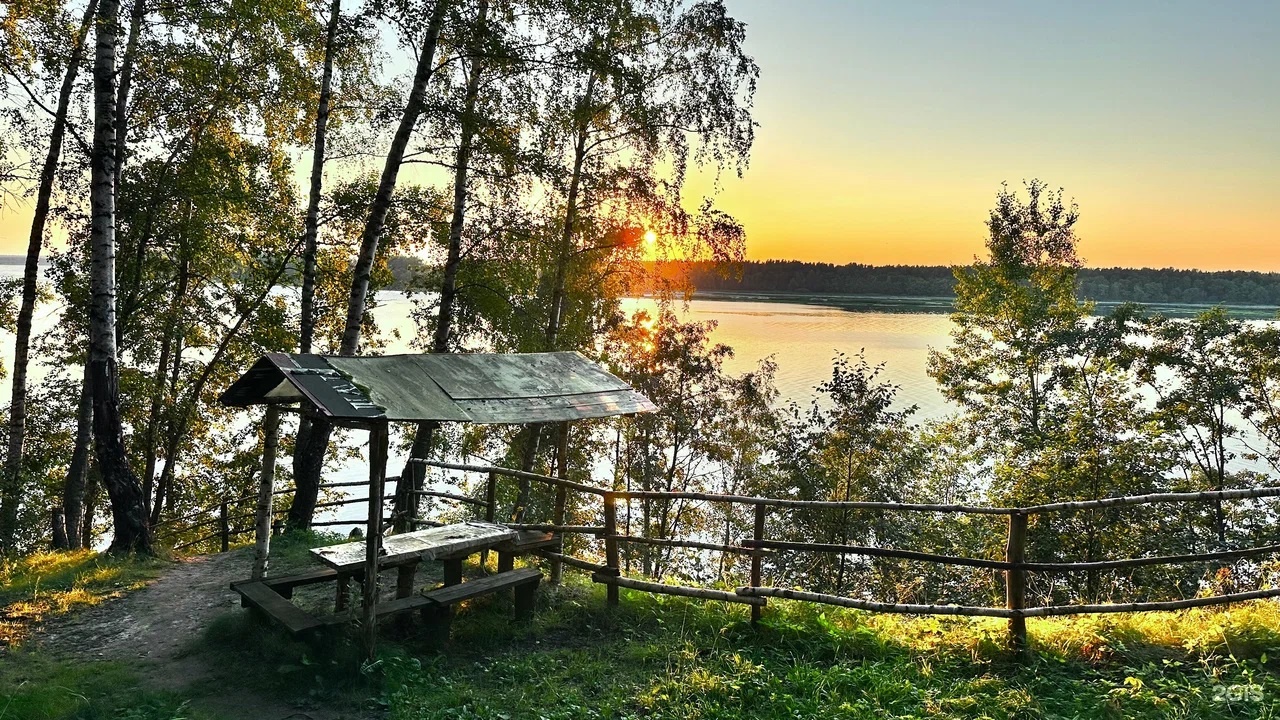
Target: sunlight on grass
(670, 658)
(43, 585)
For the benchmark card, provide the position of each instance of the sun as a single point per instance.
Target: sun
(650, 237)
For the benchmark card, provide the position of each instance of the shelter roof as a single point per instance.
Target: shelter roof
(497, 389)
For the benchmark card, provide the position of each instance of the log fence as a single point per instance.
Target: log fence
(1013, 566)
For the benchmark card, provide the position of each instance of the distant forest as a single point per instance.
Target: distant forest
(1106, 285)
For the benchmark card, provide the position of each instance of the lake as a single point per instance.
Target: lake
(802, 337)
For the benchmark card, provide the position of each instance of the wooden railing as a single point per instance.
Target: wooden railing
(1014, 565)
(225, 523)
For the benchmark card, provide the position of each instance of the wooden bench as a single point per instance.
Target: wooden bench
(258, 595)
(525, 582)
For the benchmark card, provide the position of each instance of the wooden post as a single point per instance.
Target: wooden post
(490, 510)
(491, 497)
(611, 545)
(757, 534)
(557, 513)
(266, 483)
(1016, 580)
(373, 533)
(224, 525)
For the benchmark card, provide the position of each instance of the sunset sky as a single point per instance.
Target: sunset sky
(886, 128)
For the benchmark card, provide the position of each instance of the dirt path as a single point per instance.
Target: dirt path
(155, 628)
(156, 623)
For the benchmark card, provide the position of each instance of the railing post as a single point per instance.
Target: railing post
(611, 544)
(224, 525)
(373, 533)
(490, 509)
(561, 496)
(1016, 580)
(757, 534)
(491, 497)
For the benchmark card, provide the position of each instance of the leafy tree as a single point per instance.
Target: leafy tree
(1016, 318)
(849, 444)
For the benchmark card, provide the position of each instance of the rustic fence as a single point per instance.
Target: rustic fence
(226, 519)
(1014, 566)
(755, 593)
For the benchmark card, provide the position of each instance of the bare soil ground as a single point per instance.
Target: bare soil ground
(156, 630)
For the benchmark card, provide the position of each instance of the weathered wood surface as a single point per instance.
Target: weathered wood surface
(453, 594)
(429, 544)
(258, 595)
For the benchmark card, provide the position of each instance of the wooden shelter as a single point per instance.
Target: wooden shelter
(372, 392)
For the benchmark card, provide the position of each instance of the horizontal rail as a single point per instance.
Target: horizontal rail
(349, 501)
(1252, 493)
(449, 496)
(1247, 494)
(561, 482)
(546, 527)
(1002, 565)
(976, 611)
(881, 552)
(678, 590)
(574, 562)
(692, 544)
(817, 504)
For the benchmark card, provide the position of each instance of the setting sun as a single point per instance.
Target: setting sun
(650, 237)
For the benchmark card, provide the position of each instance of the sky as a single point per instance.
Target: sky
(888, 126)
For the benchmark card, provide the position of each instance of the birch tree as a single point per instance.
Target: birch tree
(128, 506)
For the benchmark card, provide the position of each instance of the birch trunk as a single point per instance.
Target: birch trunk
(128, 512)
(311, 446)
(407, 505)
(312, 229)
(12, 487)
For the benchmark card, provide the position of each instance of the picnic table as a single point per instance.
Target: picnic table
(449, 544)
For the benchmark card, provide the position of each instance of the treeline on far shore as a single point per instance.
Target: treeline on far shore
(1144, 285)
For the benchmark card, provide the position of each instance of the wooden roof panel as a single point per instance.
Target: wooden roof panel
(480, 388)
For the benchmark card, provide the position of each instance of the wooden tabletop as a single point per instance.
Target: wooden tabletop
(428, 544)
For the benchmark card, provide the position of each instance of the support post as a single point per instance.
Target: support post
(1016, 581)
(266, 483)
(373, 533)
(224, 525)
(610, 544)
(490, 509)
(557, 513)
(757, 534)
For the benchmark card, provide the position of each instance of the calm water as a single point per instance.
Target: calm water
(803, 339)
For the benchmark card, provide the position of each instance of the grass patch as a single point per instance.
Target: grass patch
(36, 687)
(33, 685)
(43, 585)
(661, 657)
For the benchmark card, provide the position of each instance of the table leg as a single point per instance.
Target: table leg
(340, 598)
(452, 571)
(526, 595)
(506, 561)
(404, 579)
